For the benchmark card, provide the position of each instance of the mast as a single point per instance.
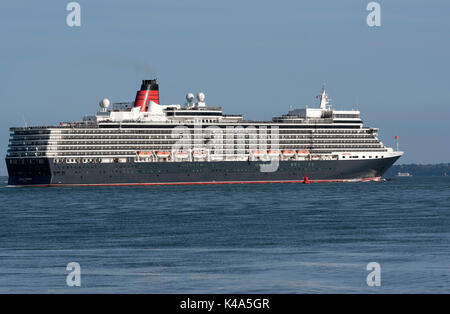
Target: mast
(324, 100)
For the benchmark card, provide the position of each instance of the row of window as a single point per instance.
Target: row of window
(168, 135)
(354, 157)
(126, 140)
(168, 129)
(169, 147)
(212, 142)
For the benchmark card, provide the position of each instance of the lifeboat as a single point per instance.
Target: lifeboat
(273, 153)
(288, 153)
(315, 157)
(258, 153)
(199, 154)
(144, 154)
(181, 154)
(303, 152)
(162, 154)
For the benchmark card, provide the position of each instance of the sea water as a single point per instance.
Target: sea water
(249, 238)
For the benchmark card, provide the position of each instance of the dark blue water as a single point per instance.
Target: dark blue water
(274, 238)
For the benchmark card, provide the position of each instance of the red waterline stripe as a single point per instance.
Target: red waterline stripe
(203, 183)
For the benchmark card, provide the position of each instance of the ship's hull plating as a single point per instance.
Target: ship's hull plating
(47, 173)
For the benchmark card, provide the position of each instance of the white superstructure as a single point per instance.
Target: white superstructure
(148, 132)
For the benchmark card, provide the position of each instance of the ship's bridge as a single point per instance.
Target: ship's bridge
(317, 115)
(323, 114)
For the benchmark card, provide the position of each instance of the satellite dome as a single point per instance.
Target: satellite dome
(201, 97)
(190, 97)
(104, 103)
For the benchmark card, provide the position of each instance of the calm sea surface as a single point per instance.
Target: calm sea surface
(270, 238)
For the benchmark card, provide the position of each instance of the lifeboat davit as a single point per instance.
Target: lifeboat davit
(162, 154)
(288, 153)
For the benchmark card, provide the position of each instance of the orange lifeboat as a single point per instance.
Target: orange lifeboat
(144, 154)
(258, 153)
(162, 154)
(303, 152)
(288, 153)
(273, 153)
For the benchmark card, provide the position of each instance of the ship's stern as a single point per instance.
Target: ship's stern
(28, 171)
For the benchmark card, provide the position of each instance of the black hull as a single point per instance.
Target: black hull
(47, 173)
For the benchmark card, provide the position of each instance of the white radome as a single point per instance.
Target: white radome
(104, 103)
(190, 97)
(201, 97)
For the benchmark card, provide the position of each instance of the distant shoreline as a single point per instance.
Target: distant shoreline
(419, 170)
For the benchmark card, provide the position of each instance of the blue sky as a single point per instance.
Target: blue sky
(253, 57)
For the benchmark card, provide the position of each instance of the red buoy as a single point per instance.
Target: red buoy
(305, 179)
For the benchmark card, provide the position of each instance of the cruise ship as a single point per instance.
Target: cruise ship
(147, 143)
